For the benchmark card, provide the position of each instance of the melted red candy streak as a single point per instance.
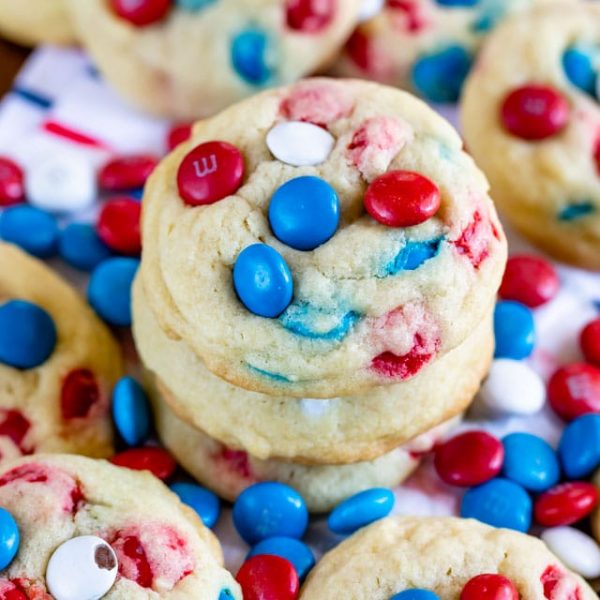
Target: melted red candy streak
(411, 9)
(469, 243)
(79, 394)
(310, 16)
(15, 426)
(391, 365)
(558, 585)
(236, 460)
(133, 549)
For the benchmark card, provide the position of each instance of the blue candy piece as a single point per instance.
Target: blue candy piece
(9, 538)
(514, 330)
(272, 376)
(500, 503)
(250, 56)
(416, 594)
(579, 69)
(269, 509)
(293, 550)
(225, 595)
(458, 2)
(576, 210)
(360, 510)
(530, 461)
(34, 230)
(263, 280)
(193, 5)
(304, 212)
(109, 290)
(316, 323)
(413, 255)
(80, 246)
(579, 447)
(206, 504)
(27, 334)
(131, 411)
(439, 76)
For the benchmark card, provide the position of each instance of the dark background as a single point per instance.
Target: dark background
(11, 59)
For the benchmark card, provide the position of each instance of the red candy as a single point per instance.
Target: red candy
(574, 390)
(119, 225)
(79, 394)
(589, 340)
(309, 16)
(131, 547)
(489, 587)
(156, 460)
(535, 112)
(558, 585)
(127, 172)
(389, 364)
(469, 459)
(597, 155)
(267, 577)
(9, 590)
(530, 280)
(14, 426)
(12, 190)
(179, 133)
(361, 51)
(141, 12)
(565, 504)
(402, 199)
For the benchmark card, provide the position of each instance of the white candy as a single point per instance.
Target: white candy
(576, 549)
(300, 144)
(62, 183)
(369, 9)
(82, 568)
(512, 387)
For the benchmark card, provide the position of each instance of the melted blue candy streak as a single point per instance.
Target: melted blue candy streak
(412, 256)
(269, 375)
(576, 211)
(298, 318)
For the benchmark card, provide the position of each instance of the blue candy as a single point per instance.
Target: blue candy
(579, 447)
(109, 290)
(579, 69)
(225, 595)
(458, 2)
(250, 56)
(500, 503)
(316, 323)
(416, 594)
(193, 5)
(360, 510)
(576, 210)
(131, 411)
(269, 509)
(27, 334)
(263, 280)
(304, 212)
(514, 330)
(206, 504)
(412, 255)
(80, 246)
(298, 553)
(34, 230)
(530, 461)
(9, 538)
(439, 76)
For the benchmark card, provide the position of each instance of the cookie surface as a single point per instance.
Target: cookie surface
(440, 555)
(62, 404)
(371, 306)
(533, 127)
(197, 61)
(162, 548)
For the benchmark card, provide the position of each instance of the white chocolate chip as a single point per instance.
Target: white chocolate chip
(300, 144)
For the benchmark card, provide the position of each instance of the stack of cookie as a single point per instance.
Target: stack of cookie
(316, 289)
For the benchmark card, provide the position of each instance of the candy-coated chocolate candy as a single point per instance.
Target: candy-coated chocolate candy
(304, 212)
(131, 411)
(119, 225)
(12, 185)
(578, 64)
(565, 504)
(82, 567)
(402, 199)
(34, 230)
(415, 594)
(80, 246)
(267, 577)
(530, 280)
(225, 594)
(298, 553)
(251, 56)
(575, 549)
(179, 133)
(269, 509)
(512, 387)
(310, 16)
(499, 503)
(150, 458)
(263, 280)
(470, 458)
(489, 586)
(360, 510)
(589, 341)
(579, 447)
(574, 390)
(514, 330)
(530, 461)
(535, 112)
(300, 144)
(126, 172)
(79, 394)
(206, 504)
(109, 290)
(141, 12)
(210, 172)
(27, 334)
(9, 538)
